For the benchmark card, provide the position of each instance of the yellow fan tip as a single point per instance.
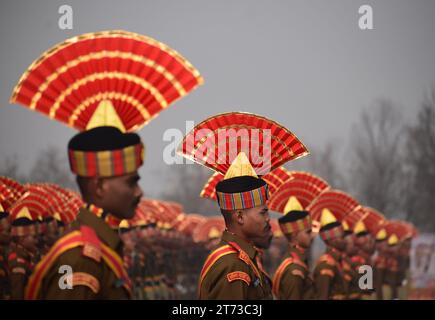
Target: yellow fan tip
(240, 167)
(345, 226)
(381, 234)
(24, 213)
(359, 227)
(124, 224)
(327, 217)
(105, 115)
(1, 208)
(393, 239)
(213, 233)
(292, 205)
(56, 216)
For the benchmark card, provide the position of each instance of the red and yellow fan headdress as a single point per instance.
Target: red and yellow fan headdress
(241, 146)
(210, 229)
(329, 210)
(292, 197)
(218, 140)
(10, 192)
(189, 223)
(26, 212)
(116, 78)
(304, 186)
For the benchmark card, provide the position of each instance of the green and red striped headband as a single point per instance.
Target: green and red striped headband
(108, 163)
(243, 200)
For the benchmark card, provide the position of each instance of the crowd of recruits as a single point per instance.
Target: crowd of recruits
(163, 247)
(355, 236)
(164, 256)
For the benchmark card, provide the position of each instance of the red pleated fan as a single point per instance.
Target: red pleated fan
(339, 202)
(303, 185)
(216, 142)
(140, 76)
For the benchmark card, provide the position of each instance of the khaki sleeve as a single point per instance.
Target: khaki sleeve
(17, 285)
(292, 284)
(85, 278)
(323, 280)
(17, 276)
(227, 279)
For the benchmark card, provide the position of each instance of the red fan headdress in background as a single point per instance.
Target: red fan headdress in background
(211, 228)
(10, 192)
(338, 202)
(303, 186)
(189, 223)
(217, 142)
(330, 208)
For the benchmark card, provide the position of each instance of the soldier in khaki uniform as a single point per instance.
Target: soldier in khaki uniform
(11, 192)
(328, 277)
(380, 262)
(4, 243)
(364, 244)
(92, 248)
(390, 285)
(349, 268)
(292, 280)
(234, 269)
(20, 257)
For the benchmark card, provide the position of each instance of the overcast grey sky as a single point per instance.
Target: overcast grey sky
(303, 63)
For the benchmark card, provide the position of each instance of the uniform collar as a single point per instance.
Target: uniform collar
(300, 252)
(334, 253)
(244, 245)
(103, 230)
(109, 218)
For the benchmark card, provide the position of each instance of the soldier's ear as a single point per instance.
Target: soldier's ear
(100, 186)
(239, 216)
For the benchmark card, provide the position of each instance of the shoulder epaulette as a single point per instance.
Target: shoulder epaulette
(278, 275)
(92, 247)
(91, 243)
(298, 261)
(358, 259)
(213, 257)
(328, 259)
(245, 258)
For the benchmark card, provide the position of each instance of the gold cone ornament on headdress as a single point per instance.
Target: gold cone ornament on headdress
(359, 227)
(240, 167)
(214, 233)
(393, 239)
(381, 235)
(292, 204)
(327, 217)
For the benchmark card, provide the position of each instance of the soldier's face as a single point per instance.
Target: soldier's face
(4, 231)
(364, 243)
(256, 226)
(29, 242)
(338, 243)
(382, 246)
(121, 195)
(350, 245)
(304, 238)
